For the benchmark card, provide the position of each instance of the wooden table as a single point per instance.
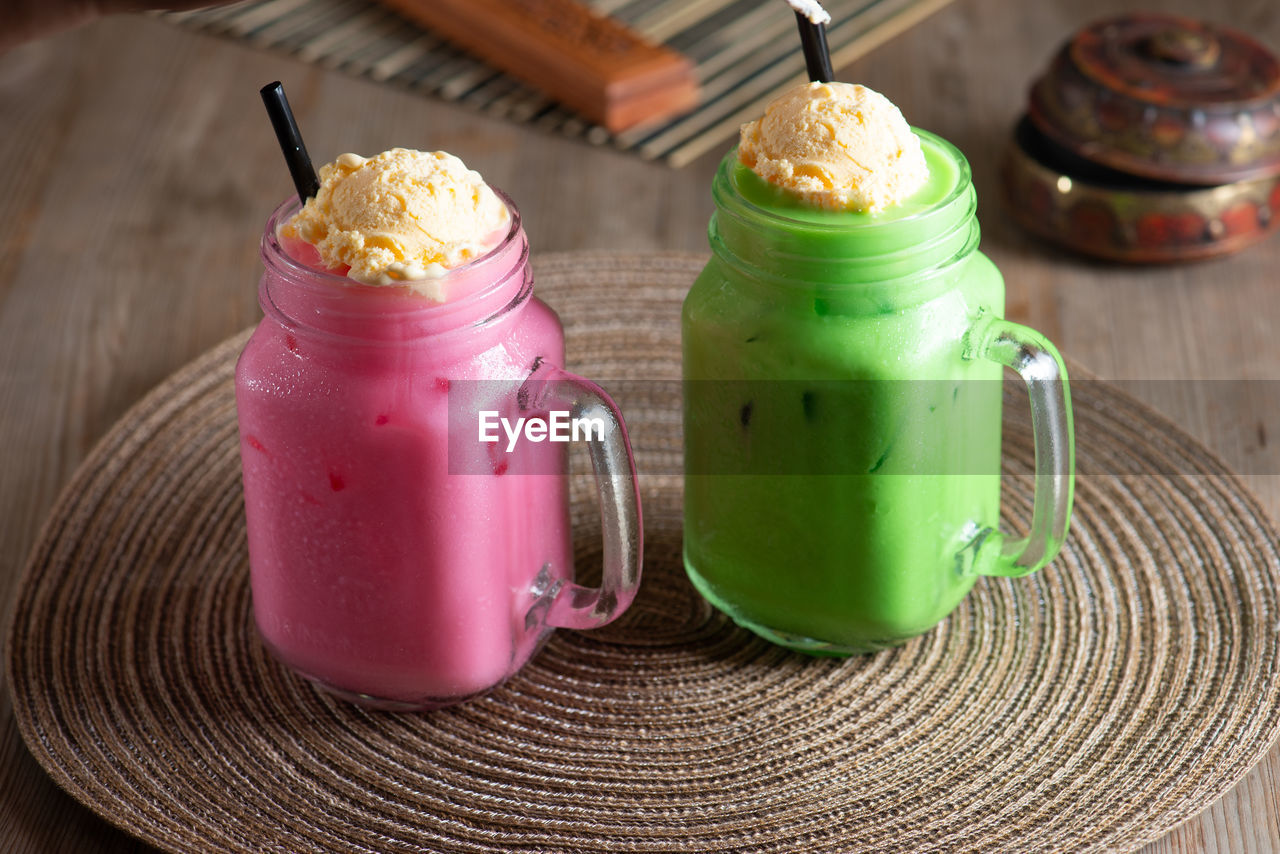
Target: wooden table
(136, 168)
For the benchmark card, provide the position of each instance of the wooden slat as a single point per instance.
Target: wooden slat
(261, 14)
(590, 62)
(395, 62)
(339, 37)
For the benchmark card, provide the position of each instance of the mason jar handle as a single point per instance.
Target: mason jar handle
(575, 606)
(1036, 360)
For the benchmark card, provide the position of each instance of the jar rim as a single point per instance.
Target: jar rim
(348, 299)
(920, 245)
(964, 178)
(275, 256)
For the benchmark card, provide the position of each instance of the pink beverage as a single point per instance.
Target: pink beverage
(390, 565)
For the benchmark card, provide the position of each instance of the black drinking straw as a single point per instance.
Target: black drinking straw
(295, 152)
(817, 56)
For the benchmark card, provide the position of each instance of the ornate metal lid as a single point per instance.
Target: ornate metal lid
(1164, 97)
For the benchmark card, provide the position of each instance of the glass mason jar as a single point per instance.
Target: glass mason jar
(842, 420)
(397, 560)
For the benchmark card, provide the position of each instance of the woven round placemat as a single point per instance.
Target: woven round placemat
(1092, 706)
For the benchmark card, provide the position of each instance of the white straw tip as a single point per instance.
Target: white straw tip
(812, 10)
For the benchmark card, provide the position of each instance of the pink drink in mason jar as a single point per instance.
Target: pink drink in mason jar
(394, 562)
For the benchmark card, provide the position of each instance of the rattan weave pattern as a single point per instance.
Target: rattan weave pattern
(1089, 707)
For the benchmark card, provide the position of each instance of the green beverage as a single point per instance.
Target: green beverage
(842, 413)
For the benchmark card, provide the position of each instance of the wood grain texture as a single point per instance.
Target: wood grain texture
(588, 61)
(138, 169)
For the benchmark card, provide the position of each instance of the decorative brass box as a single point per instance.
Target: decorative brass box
(1150, 138)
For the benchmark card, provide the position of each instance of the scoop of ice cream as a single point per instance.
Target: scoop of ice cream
(400, 216)
(840, 146)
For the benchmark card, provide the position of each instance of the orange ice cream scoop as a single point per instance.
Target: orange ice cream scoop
(401, 217)
(840, 146)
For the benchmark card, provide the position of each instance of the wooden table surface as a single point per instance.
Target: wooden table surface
(137, 166)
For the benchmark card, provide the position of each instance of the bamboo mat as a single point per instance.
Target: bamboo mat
(1089, 707)
(744, 52)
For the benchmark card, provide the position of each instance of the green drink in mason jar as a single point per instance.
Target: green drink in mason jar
(843, 359)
